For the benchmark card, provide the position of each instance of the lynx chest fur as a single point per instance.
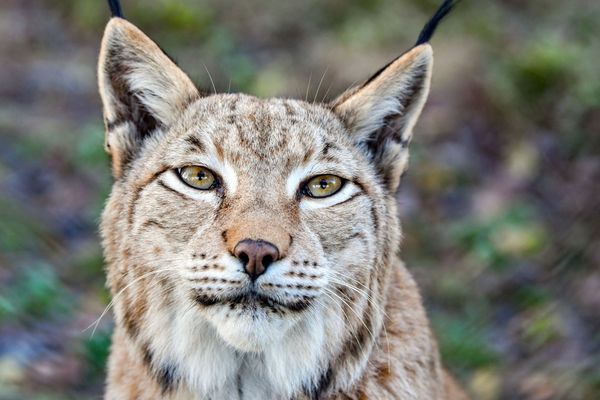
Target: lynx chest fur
(252, 244)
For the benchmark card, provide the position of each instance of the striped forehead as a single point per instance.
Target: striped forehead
(243, 129)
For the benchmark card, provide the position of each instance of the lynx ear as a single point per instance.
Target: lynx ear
(142, 90)
(381, 113)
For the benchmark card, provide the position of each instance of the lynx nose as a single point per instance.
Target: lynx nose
(256, 255)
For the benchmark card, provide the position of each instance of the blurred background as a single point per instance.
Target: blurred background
(500, 208)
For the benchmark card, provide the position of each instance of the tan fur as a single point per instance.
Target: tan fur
(339, 317)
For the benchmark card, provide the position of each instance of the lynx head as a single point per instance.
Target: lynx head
(258, 223)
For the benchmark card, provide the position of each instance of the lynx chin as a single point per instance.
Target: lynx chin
(251, 245)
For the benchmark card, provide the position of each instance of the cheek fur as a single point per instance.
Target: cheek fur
(169, 218)
(339, 225)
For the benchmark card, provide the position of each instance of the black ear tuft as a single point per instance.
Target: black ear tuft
(115, 8)
(429, 28)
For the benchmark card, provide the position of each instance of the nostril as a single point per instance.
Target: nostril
(243, 258)
(267, 260)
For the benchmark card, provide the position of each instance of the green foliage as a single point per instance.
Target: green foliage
(542, 327)
(96, 351)
(462, 341)
(36, 293)
(542, 69)
(88, 151)
(501, 240)
(18, 228)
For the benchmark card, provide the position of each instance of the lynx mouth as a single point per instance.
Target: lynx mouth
(252, 300)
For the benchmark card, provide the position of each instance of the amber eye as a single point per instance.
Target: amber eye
(323, 186)
(198, 177)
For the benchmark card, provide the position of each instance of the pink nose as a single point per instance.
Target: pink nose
(256, 255)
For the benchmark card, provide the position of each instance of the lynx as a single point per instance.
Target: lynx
(251, 245)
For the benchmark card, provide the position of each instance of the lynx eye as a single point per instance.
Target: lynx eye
(323, 186)
(198, 177)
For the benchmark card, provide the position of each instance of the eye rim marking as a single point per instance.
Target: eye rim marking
(217, 184)
(349, 199)
(168, 188)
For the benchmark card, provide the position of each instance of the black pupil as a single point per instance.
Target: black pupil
(201, 175)
(324, 184)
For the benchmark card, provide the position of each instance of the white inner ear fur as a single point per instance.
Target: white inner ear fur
(151, 76)
(388, 94)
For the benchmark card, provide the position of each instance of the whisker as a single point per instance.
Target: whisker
(319, 86)
(114, 298)
(359, 317)
(345, 316)
(308, 87)
(371, 302)
(211, 79)
(327, 92)
(365, 294)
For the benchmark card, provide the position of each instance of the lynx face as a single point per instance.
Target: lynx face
(253, 234)
(260, 155)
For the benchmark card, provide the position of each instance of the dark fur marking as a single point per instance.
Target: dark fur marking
(289, 110)
(375, 219)
(138, 192)
(318, 390)
(244, 299)
(219, 150)
(147, 356)
(204, 299)
(424, 36)
(110, 125)
(170, 189)
(165, 375)
(240, 390)
(115, 8)
(354, 196)
(298, 305)
(131, 324)
(167, 378)
(355, 344)
(330, 159)
(153, 223)
(355, 235)
(195, 143)
(429, 28)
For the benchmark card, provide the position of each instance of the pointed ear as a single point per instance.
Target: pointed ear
(142, 90)
(381, 113)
